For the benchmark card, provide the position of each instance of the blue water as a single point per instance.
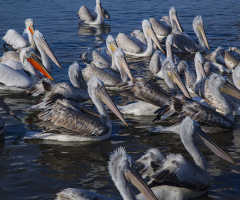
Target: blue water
(38, 170)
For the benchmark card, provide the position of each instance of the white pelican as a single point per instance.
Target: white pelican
(6, 108)
(17, 41)
(161, 28)
(16, 78)
(68, 121)
(173, 176)
(132, 48)
(121, 169)
(93, 17)
(76, 92)
(184, 43)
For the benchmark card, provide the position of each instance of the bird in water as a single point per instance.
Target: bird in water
(184, 43)
(95, 16)
(122, 171)
(174, 177)
(68, 121)
(130, 47)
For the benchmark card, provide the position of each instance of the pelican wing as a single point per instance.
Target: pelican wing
(159, 28)
(85, 14)
(67, 118)
(10, 55)
(177, 171)
(14, 39)
(14, 78)
(127, 44)
(184, 43)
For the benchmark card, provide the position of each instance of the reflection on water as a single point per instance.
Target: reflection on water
(40, 169)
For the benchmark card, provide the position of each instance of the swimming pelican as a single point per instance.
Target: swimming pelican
(121, 169)
(68, 121)
(16, 78)
(161, 28)
(76, 92)
(17, 41)
(93, 17)
(173, 176)
(184, 43)
(132, 48)
(8, 110)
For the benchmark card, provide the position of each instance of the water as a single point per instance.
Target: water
(37, 169)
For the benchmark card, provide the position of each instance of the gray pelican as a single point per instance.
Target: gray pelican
(184, 43)
(223, 60)
(93, 17)
(121, 169)
(8, 110)
(17, 41)
(76, 92)
(161, 28)
(132, 48)
(173, 176)
(68, 121)
(109, 76)
(149, 93)
(14, 77)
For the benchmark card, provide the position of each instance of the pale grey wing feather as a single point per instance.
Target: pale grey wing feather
(99, 58)
(127, 44)
(85, 14)
(159, 28)
(179, 172)
(14, 78)
(68, 119)
(184, 43)
(10, 55)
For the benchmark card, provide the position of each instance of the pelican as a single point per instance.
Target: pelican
(76, 92)
(223, 59)
(8, 110)
(16, 41)
(15, 78)
(10, 55)
(122, 171)
(161, 28)
(109, 76)
(93, 17)
(184, 43)
(173, 176)
(132, 48)
(68, 121)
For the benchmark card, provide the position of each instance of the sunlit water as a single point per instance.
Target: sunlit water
(37, 169)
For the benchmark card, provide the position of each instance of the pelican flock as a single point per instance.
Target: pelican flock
(187, 99)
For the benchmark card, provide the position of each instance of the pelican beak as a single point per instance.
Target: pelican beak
(153, 36)
(212, 146)
(44, 45)
(113, 47)
(38, 65)
(31, 29)
(5, 107)
(201, 69)
(175, 18)
(101, 10)
(124, 65)
(176, 78)
(133, 177)
(202, 31)
(230, 89)
(105, 98)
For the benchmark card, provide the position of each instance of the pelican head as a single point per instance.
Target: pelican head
(170, 71)
(198, 28)
(173, 16)
(111, 44)
(148, 32)
(190, 131)
(223, 85)
(121, 168)
(198, 60)
(42, 43)
(98, 92)
(27, 55)
(29, 25)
